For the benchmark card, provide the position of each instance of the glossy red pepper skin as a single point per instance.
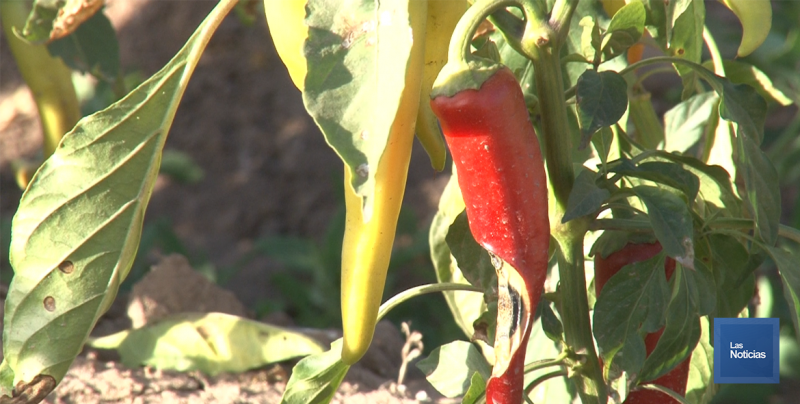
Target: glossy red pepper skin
(502, 179)
(604, 269)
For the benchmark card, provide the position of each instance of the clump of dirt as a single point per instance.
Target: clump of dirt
(172, 287)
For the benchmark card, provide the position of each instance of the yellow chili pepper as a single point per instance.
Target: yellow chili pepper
(367, 245)
(443, 15)
(287, 27)
(49, 79)
(756, 19)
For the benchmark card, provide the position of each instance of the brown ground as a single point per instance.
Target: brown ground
(268, 171)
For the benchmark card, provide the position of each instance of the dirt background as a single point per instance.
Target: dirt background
(268, 171)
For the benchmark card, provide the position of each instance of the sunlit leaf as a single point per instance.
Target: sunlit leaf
(449, 368)
(78, 225)
(686, 122)
(316, 378)
(211, 343)
(358, 53)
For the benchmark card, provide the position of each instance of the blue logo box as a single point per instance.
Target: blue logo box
(746, 350)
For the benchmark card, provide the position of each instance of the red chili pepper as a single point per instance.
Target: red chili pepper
(502, 179)
(604, 269)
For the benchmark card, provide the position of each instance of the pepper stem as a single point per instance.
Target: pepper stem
(461, 42)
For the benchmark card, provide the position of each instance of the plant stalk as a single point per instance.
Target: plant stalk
(542, 44)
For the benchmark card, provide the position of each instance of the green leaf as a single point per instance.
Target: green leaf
(763, 193)
(586, 197)
(602, 100)
(590, 38)
(78, 225)
(788, 263)
(744, 73)
(685, 123)
(551, 325)
(742, 104)
(465, 306)
(602, 143)
(212, 343)
(625, 29)
(656, 21)
(477, 387)
(671, 220)
(316, 378)
(681, 332)
(700, 387)
(732, 269)
(632, 302)
(715, 183)
(92, 48)
(667, 173)
(40, 21)
(474, 261)
(686, 38)
(358, 53)
(449, 368)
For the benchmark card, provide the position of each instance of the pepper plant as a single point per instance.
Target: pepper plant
(559, 160)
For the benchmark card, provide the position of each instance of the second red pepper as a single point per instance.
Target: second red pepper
(604, 269)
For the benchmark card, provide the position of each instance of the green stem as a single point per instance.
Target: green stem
(543, 378)
(716, 57)
(664, 390)
(575, 316)
(422, 290)
(545, 363)
(542, 44)
(460, 45)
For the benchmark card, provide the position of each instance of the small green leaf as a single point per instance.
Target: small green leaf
(78, 225)
(212, 343)
(40, 21)
(602, 100)
(624, 30)
(763, 193)
(788, 263)
(667, 173)
(686, 38)
(449, 368)
(685, 123)
(465, 306)
(656, 22)
(742, 104)
(682, 330)
(590, 38)
(602, 143)
(477, 387)
(316, 378)
(671, 220)
(586, 197)
(744, 73)
(474, 261)
(551, 325)
(632, 302)
(715, 183)
(700, 387)
(92, 48)
(732, 269)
